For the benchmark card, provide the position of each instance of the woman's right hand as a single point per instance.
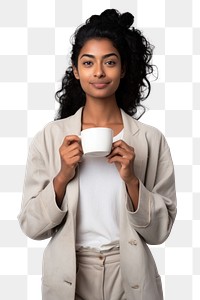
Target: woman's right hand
(70, 155)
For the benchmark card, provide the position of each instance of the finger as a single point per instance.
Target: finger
(73, 146)
(119, 151)
(76, 159)
(122, 160)
(122, 152)
(71, 154)
(122, 145)
(66, 149)
(69, 139)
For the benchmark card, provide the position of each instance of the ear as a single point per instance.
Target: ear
(123, 72)
(75, 71)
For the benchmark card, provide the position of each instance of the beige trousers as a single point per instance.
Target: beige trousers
(99, 276)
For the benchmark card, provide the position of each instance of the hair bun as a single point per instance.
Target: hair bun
(93, 19)
(110, 15)
(126, 20)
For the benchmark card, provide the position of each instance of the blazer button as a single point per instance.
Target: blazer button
(135, 287)
(133, 242)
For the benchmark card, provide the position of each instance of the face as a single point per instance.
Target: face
(99, 69)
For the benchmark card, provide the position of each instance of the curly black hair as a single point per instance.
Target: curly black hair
(135, 52)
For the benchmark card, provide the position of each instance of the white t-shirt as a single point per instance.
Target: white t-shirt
(98, 207)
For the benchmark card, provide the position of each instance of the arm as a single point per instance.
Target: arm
(42, 205)
(39, 211)
(156, 210)
(123, 156)
(70, 155)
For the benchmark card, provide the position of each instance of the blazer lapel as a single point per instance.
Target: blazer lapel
(72, 192)
(74, 123)
(136, 139)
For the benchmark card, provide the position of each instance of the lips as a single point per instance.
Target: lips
(99, 85)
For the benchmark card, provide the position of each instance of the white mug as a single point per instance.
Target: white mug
(97, 141)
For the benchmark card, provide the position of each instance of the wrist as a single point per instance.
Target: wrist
(61, 178)
(132, 187)
(134, 181)
(59, 188)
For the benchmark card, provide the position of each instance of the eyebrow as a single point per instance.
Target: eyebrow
(104, 56)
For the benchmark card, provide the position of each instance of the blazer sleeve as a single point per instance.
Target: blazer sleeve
(156, 211)
(39, 213)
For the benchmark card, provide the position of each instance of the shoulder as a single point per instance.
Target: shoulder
(55, 131)
(156, 140)
(144, 133)
(67, 124)
(149, 130)
(51, 130)
(141, 128)
(154, 136)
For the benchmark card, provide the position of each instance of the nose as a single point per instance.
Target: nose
(99, 71)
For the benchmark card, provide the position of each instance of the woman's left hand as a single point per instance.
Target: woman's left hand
(123, 156)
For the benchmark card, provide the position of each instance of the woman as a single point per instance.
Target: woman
(101, 212)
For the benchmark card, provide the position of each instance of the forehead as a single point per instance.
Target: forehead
(98, 47)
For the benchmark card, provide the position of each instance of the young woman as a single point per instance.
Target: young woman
(101, 212)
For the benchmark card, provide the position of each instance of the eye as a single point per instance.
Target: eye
(87, 63)
(110, 63)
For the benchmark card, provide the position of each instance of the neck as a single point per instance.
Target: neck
(97, 114)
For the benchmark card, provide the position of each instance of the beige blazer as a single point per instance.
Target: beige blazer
(40, 218)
